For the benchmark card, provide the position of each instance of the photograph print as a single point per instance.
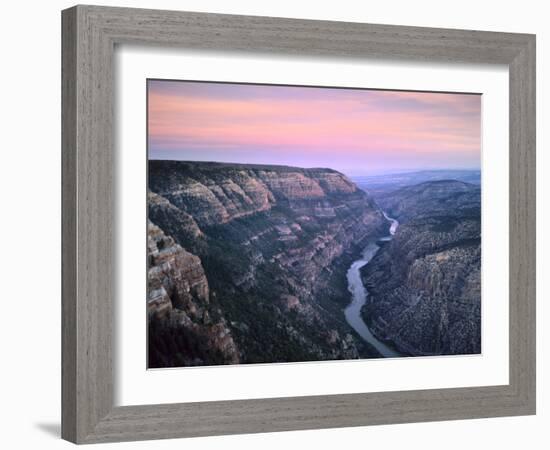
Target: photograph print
(294, 223)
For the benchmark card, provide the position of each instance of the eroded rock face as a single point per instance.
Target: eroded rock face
(275, 243)
(175, 272)
(178, 298)
(210, 196)
(424, 285)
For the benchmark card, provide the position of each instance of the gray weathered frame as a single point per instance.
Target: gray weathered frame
(89, 36)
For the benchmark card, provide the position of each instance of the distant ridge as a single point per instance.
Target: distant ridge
(429, 184)
(216, 165)
(379, 185)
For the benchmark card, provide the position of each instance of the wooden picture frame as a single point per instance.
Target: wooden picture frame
(90, 34)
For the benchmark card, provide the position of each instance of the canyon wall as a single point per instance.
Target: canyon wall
(184, 327)
(425, 285)
(274, 244)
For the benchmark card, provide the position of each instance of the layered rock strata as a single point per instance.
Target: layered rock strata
(274, 243)
(179, 308)
(425, 285)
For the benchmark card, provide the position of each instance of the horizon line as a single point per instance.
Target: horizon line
(387, 172)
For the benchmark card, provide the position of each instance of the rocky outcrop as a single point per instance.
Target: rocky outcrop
(178, 298)
(274, 243)
(424, 285)
(176, 223)
(175, 276)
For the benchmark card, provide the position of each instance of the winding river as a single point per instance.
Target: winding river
(359, 294)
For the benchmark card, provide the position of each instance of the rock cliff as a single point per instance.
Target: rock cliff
(274, 243)
(424, 285)
(178, 299)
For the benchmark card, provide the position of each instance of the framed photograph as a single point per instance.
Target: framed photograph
(277, 224)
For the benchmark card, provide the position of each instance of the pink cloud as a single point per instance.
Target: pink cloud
(354, 122)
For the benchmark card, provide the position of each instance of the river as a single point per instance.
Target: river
(359, 294)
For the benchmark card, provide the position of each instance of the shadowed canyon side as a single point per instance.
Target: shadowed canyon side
(247, 263)
(185, 328)
(425, 284)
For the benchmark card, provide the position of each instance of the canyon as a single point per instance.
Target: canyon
(252, 264)
(425, 284)
(267, 250)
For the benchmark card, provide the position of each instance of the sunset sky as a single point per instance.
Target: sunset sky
(356, 131)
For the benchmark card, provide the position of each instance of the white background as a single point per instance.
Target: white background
(135, 386)
(30, 225)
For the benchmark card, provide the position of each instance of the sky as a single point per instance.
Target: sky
(356, 131)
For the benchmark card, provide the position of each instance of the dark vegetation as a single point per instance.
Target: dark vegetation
(171, 345)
